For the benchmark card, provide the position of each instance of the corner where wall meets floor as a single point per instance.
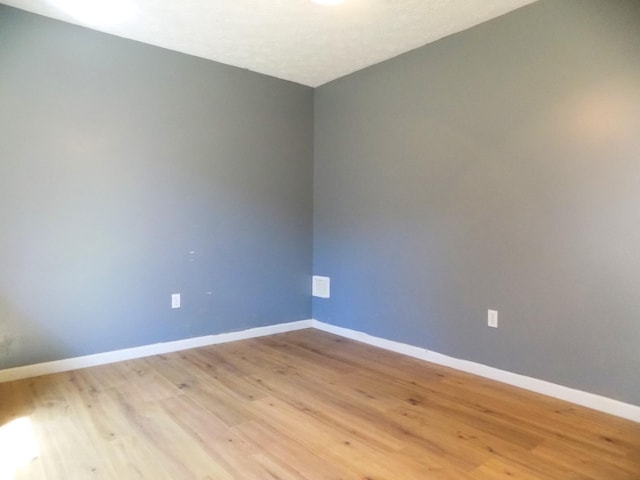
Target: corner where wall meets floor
(585, 399)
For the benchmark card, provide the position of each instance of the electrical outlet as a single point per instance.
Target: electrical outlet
(175, 300)
(492, 318)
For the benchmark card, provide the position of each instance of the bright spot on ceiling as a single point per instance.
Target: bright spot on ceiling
(99, 12)
(327, 2)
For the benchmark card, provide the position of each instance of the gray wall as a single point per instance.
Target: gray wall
(117, 159)
(497, 168)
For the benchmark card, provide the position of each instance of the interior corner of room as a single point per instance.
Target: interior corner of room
(495, 169)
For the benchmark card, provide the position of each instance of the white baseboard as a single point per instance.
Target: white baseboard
(67, 364)
(586, 399)
(590, 400)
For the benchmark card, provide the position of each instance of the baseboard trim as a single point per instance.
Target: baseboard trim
(586, 399)
(68, 364)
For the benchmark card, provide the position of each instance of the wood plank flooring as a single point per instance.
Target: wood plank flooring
(303, 405)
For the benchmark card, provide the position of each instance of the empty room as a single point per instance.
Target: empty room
(320, 240)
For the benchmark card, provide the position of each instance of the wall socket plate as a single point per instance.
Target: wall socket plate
(175, 300)
(492, 318)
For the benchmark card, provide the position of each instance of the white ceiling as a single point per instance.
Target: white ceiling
(295, 40)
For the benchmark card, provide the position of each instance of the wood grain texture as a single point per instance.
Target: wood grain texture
(306, 405)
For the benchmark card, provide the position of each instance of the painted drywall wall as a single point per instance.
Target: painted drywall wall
(498, 168)
(129, 172)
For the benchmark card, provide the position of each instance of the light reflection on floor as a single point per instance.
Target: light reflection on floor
(18, 447)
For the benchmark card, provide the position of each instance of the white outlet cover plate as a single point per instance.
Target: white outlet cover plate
(175, 300)
(492, 318)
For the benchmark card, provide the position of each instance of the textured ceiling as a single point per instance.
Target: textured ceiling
(295, 40)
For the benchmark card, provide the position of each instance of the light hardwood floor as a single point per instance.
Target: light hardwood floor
(305, 405)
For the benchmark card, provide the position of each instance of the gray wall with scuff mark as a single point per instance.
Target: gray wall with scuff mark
(118, 159)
